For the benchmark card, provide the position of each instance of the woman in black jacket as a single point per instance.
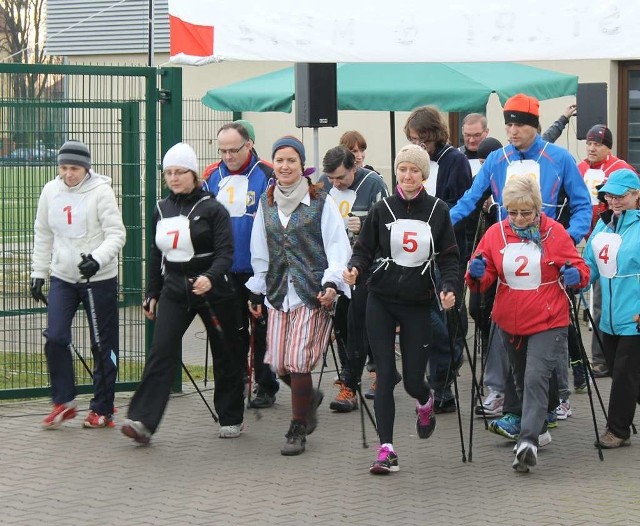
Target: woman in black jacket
(411, 231)
(191, 254)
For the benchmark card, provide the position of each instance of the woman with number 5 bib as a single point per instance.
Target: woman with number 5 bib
(191, 255)
(613, 255)
(410, 231)
(533, 258)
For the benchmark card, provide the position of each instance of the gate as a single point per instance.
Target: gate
(114, 111)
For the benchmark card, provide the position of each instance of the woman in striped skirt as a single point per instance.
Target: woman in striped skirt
(299, 250)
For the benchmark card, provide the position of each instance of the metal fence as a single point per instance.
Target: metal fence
(116, 112)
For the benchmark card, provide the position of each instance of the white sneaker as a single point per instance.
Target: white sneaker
(231, 431)
(526, 457)
(492, 404)
(563, 411)
(543, 440)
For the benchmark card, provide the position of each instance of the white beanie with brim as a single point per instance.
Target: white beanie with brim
(181, 155)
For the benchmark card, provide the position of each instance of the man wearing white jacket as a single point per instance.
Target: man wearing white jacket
(78, 235)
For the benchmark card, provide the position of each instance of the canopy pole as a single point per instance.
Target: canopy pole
(392, 127)
(316, 155)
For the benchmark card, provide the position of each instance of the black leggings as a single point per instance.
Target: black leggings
(415, 337)
(623, 360)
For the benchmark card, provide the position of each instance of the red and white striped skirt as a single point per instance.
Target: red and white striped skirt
(296, 339)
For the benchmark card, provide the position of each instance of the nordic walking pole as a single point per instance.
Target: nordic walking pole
(184, 368)
(574, 321)
(455, 372)
(71, 346)
(96, 346)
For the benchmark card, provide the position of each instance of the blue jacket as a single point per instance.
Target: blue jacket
(259, 174)
(559, 179)
(620, 294)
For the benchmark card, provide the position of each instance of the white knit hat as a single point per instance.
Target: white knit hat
(181, 155)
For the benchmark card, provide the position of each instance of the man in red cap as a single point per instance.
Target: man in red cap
(564, 195)
(595, 170)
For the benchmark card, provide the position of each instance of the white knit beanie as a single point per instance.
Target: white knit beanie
(181, 155)
(414, 154)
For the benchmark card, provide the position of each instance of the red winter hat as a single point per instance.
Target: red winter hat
(522, 109)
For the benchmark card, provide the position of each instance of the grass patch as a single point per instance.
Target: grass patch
(29, 370)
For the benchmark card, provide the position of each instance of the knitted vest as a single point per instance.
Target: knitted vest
(296, 252)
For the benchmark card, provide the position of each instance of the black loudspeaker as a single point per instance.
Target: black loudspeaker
(591, 102)
(316, 95)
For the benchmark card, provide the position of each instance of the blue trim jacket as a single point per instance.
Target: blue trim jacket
(565, 196)
(259, 173)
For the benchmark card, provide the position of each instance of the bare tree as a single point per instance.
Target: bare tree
(22, 33)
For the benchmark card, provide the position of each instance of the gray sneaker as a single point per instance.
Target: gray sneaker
(231, 431)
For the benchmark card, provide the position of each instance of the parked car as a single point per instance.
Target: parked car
(30, 156)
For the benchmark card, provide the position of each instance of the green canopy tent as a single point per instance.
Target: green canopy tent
(452, 87)
(460, 87)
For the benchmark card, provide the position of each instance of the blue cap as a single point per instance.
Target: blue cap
(621, 181)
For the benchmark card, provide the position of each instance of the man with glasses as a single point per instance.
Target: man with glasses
(595, 170)
(355, 190)
(237, 181)
(474, 131)
(564, 194)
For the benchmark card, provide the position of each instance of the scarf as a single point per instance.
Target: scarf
(288, 197)
(529, 233)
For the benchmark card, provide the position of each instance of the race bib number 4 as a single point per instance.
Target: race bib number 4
(606, 246)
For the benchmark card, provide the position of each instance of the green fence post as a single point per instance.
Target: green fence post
(171, 133)
(131, 210)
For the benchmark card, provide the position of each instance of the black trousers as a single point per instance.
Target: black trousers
(173, 318)
(264, 376)
(622, 354)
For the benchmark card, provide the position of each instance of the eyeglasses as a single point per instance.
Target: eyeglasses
(177, 173)
(611, 197)
(525, 214)
(423, 143)
(232, 151)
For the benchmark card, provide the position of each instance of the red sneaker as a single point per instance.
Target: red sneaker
(94, 420)
(60, 413)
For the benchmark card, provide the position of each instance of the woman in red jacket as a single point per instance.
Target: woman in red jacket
(533, 258)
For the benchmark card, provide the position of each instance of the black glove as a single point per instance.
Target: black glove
(36, 290)
(256, 299)
(88, 267)
(329, 285)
